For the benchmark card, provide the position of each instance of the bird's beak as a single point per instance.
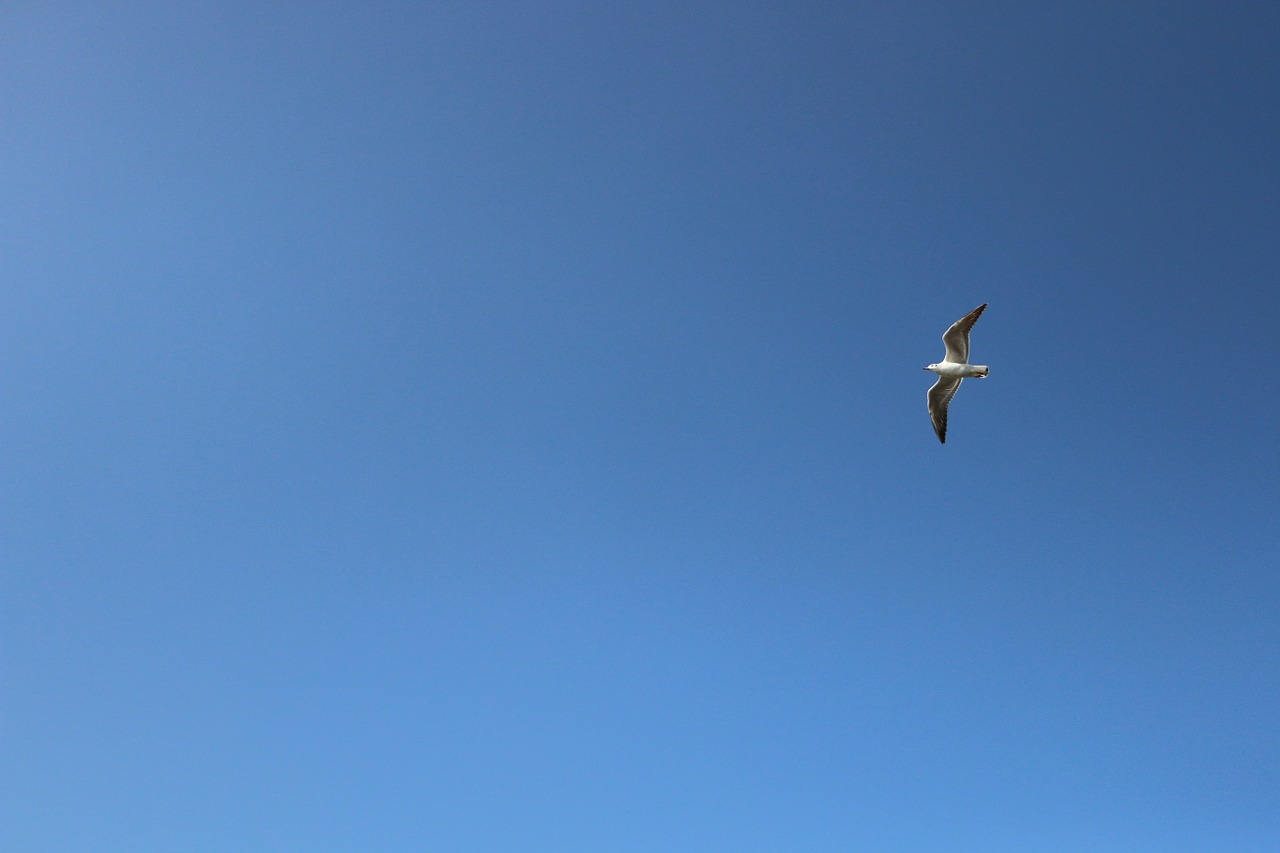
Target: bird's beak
(924, 368)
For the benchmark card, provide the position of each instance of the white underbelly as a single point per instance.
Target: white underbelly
(951, 370)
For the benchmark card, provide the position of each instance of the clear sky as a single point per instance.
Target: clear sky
(481, 426)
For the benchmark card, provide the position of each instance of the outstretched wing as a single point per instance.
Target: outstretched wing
(939, 398)
(957, 337)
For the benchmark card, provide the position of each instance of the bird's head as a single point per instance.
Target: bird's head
(929, 367)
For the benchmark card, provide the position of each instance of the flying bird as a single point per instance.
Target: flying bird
(953, 369)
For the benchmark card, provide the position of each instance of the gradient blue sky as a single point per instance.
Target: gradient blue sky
(476, 426)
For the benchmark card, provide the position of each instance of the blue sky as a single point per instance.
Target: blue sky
(475, 426)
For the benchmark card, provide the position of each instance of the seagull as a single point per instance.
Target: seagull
(953, 369)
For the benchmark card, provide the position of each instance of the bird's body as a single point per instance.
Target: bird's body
(953, 369)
